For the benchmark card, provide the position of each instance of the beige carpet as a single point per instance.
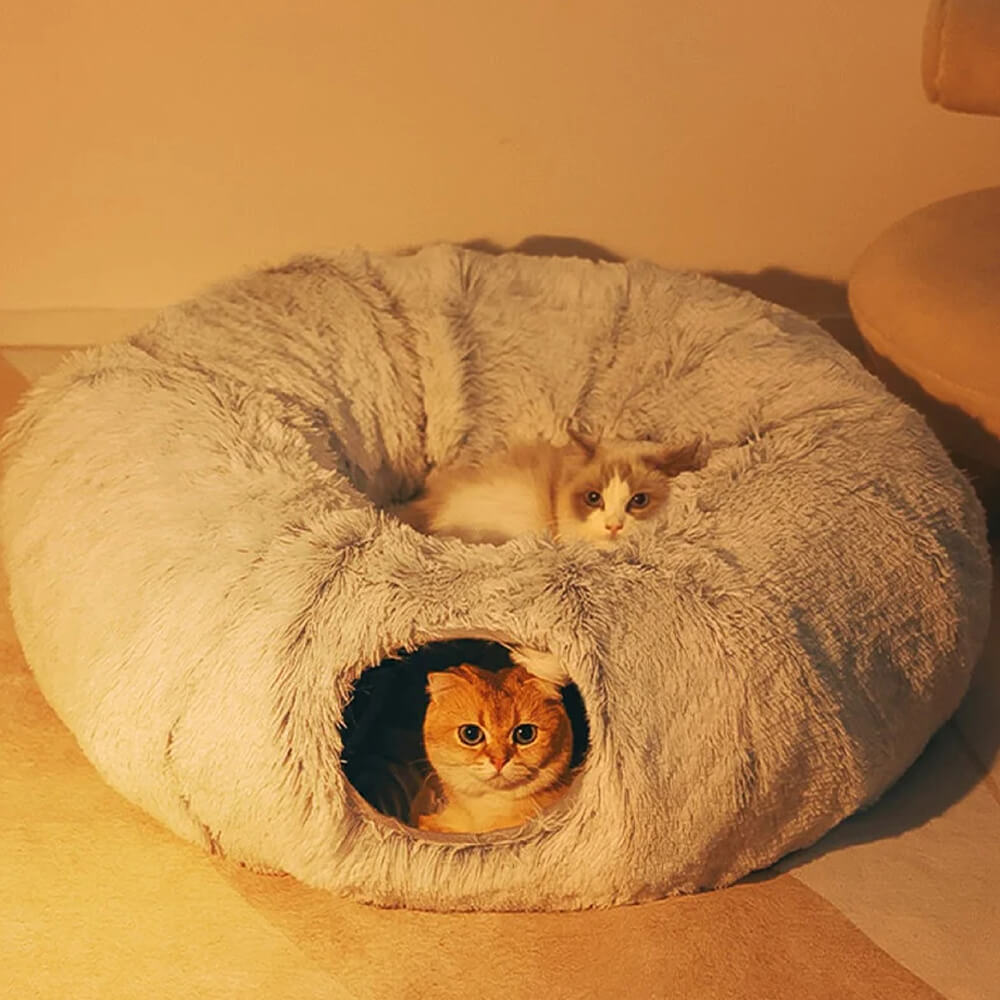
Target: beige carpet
(97, 901)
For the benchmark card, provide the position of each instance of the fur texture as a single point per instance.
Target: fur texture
(199, 567)
(495, 499)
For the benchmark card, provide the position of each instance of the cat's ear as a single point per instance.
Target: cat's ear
(586, 442)
(440, 682)
(672, 461)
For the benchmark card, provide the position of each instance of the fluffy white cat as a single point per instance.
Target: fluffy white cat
(598, 491)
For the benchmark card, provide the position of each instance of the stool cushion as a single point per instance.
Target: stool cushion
(926, 296)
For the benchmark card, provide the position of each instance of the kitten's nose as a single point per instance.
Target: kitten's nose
(613, 528)
(498, 762)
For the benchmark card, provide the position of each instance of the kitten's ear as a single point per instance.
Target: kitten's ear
(672, 461)
(586, 442)
(440, 682)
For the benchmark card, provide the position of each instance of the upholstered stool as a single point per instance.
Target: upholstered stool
(926, 294)
(926, 298)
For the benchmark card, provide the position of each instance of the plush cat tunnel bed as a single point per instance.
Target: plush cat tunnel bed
(207, 587)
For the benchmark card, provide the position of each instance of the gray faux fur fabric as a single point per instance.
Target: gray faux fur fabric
(200, 569)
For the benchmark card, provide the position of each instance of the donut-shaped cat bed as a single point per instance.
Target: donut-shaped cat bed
(211, 594)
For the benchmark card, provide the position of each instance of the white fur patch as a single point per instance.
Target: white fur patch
(597, 526)
(490, 512)
(616, 497)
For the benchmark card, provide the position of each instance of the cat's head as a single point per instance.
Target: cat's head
(610, 487)
(491, 731)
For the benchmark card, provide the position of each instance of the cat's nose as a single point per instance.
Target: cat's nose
(613, 529)
(498, 763)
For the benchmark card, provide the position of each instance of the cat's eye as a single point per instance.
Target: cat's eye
(592, 498)
(470, 735)
(638, 501)
(524, 734)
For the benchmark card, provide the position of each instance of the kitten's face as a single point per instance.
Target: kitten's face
(489, 732)
(613, 488)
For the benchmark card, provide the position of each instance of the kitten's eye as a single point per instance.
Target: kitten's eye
(524, 734)
(470, 735)
(592, 498)
(638, 501)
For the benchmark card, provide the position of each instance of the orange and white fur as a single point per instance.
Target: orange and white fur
(500, 744)
(597, 491)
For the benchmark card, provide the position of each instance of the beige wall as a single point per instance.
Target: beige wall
(146, 152)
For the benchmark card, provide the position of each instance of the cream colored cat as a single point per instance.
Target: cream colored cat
(595, 490)
(499, 743)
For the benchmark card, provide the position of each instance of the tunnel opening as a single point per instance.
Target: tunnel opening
(383, 753)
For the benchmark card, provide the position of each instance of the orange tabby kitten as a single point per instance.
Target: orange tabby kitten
(588, 489)
(500, 744)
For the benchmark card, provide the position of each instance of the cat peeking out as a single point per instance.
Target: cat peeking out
(499, 743)
(599, 491)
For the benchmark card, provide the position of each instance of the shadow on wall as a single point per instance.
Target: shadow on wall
(818, 298)
(542, 245)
